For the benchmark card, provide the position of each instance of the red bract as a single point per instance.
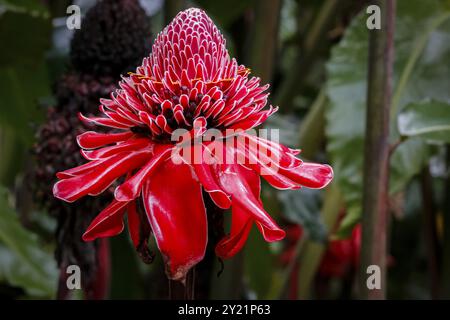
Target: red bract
(342, 255)
(188, 82)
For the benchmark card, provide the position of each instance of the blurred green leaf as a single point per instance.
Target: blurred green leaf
(304, 208)
(426, 77)
(23, 261)
(31, 7)
(12, 151)
(259, 263)
(427, 119)
(23, 72)
(127, 281)
(406, 161)
(20, 88)
(225, 12)
(289, 124)
(34, 35)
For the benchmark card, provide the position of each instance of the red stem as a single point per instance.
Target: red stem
(376, 157)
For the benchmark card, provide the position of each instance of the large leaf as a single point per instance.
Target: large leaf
(20, 89)
(12, 155)
(25, 35)
(24, 262)
(406, 162)
(427, 119)
(303, 207)
(419, 73)
(283, 127)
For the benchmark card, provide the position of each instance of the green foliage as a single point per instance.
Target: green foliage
(31, 7)
(422, 50)
(126, 282)
(303, 207)
(23, 73)
(287, 126)
(225, 12)
(12, 151)
(409, 158)
(258, 263)
(24, 262)
(427, 119)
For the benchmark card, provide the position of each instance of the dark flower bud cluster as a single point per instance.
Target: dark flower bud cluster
(112, 41)
(114, 37)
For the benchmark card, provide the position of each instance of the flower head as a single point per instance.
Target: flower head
(189, 82)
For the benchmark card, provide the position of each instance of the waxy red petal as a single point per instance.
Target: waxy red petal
(132, 187)
(106, 122)
(283, 155)
(244, 187)
(130, 145)
(241, 224)
(84, 168)
(92, 140)
(108, 223)
(205, 170)
(311, 175)
(208, 179)
(96, 181)
(134, 224)
(176, 212)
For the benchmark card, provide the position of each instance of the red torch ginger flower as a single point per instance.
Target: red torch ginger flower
(342, 255)
(188, 82)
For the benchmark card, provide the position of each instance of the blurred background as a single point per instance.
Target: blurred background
(314, 54)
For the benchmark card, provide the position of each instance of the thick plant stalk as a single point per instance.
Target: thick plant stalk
(264, 34)
(312, 130)
(98, 289)
(376, 157)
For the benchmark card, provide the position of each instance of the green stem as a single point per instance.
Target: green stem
(264, 38)
(376, 153)
(312, 130)
(312, 252)
(280, 281)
